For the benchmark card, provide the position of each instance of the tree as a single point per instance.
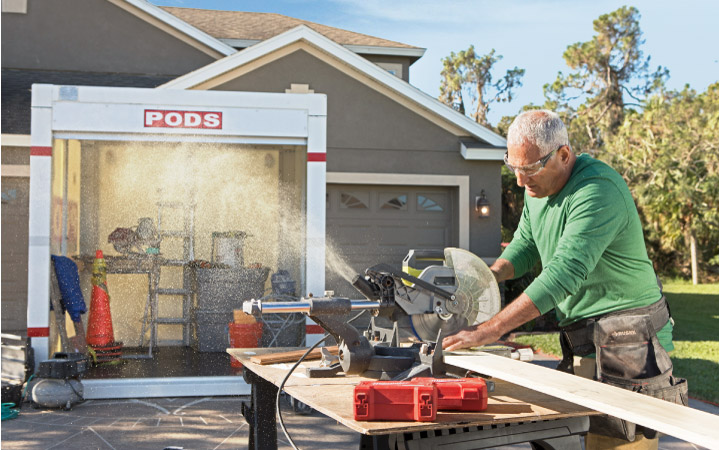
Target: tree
(669, 156)
(607, 70)
(467, 83)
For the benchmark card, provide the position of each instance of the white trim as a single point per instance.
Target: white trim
(179, 25)
(358, 63)
(314, 104)
(481, 153)
(249, 140)
(15, 170)
(316, 188)
(404, 179)
(15, 140)
(164, 387)
(389, 51)
(359, 49)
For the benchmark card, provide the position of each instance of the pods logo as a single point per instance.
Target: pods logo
(155, 118)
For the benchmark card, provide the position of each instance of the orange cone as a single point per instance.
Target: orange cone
(100, 335)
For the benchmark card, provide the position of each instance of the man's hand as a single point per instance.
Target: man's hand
(474, 336)
(517, 313)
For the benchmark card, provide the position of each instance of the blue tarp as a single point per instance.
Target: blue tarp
(69, 281)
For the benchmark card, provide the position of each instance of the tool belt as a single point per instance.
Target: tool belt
(628, 356)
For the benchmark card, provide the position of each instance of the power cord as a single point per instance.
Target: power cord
(292, 369)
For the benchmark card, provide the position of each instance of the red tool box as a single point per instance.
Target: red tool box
(395, 400)
(458, 394)
(418, 399)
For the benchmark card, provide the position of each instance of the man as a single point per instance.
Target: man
(580, 221)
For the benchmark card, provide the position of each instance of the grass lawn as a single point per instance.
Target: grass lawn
(696, 337)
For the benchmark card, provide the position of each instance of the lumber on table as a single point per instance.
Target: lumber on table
(291, 356)
(675, 420)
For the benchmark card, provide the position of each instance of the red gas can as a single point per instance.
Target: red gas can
(244, 335)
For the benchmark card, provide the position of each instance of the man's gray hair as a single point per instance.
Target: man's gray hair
(542, 128)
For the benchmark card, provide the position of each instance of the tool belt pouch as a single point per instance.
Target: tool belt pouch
(629, 356)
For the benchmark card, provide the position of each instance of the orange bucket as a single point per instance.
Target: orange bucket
(244, 335)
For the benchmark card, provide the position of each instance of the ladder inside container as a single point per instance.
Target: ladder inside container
(151, 318)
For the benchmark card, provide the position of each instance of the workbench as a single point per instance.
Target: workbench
(514, 414)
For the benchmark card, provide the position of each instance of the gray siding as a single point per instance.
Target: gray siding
(13, 297)
(368, 132)
(93, 36)
(403, 61)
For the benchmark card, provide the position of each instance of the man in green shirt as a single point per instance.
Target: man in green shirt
(580, 221)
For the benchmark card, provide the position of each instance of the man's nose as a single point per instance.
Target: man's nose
(521, 178)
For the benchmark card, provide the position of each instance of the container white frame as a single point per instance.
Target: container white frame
(109, 113)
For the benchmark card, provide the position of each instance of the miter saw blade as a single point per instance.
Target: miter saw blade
(477, 297)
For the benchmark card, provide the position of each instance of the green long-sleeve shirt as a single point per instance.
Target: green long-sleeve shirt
(589, 239)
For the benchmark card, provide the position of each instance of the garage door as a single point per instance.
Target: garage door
(368, 225)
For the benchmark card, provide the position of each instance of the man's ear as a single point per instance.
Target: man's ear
(565, 153)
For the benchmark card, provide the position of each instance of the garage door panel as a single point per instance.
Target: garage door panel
(388, 235)
(369, 225)
(432, 236)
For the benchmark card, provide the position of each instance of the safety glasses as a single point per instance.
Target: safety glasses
(533, 169)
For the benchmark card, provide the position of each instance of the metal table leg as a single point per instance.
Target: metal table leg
(261, 413)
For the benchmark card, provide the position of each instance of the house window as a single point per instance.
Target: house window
(354, 200)
(391, 201)
(425, 203)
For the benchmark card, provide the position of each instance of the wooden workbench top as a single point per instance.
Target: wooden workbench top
(509, 403)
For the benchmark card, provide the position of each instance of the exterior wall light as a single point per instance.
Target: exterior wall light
(482, 205)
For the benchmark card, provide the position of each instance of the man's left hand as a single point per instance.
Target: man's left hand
(473, 336)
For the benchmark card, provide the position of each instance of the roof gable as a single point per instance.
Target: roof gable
(347, 61)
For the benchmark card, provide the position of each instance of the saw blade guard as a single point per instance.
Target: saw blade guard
(477, 289)
(477, 297)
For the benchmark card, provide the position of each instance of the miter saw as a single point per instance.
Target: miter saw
(440, 301)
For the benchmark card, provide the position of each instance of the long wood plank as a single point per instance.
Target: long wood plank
(291, 356)
(675, 420)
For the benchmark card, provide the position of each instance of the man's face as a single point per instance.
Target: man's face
(547, 181)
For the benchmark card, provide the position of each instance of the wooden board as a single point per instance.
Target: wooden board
(291, 356)
(675, 420)
(333, 397)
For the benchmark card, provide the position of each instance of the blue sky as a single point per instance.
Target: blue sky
(532, 34)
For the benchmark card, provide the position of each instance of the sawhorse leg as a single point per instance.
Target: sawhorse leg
(261, 413)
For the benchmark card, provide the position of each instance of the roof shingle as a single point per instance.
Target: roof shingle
(262, 26)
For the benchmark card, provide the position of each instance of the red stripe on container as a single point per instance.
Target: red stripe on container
(314, 329)
(38, 332)
(40, 151)
(317, 157)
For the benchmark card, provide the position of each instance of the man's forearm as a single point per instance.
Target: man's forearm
(502, 269)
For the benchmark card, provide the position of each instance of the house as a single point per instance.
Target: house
(396, 168)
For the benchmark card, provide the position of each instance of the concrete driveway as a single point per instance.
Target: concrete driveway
(186, 423)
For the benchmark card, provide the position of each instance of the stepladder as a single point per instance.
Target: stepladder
(170, 281)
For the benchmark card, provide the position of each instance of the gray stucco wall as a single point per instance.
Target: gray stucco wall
(94, 36)
(368, 132)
